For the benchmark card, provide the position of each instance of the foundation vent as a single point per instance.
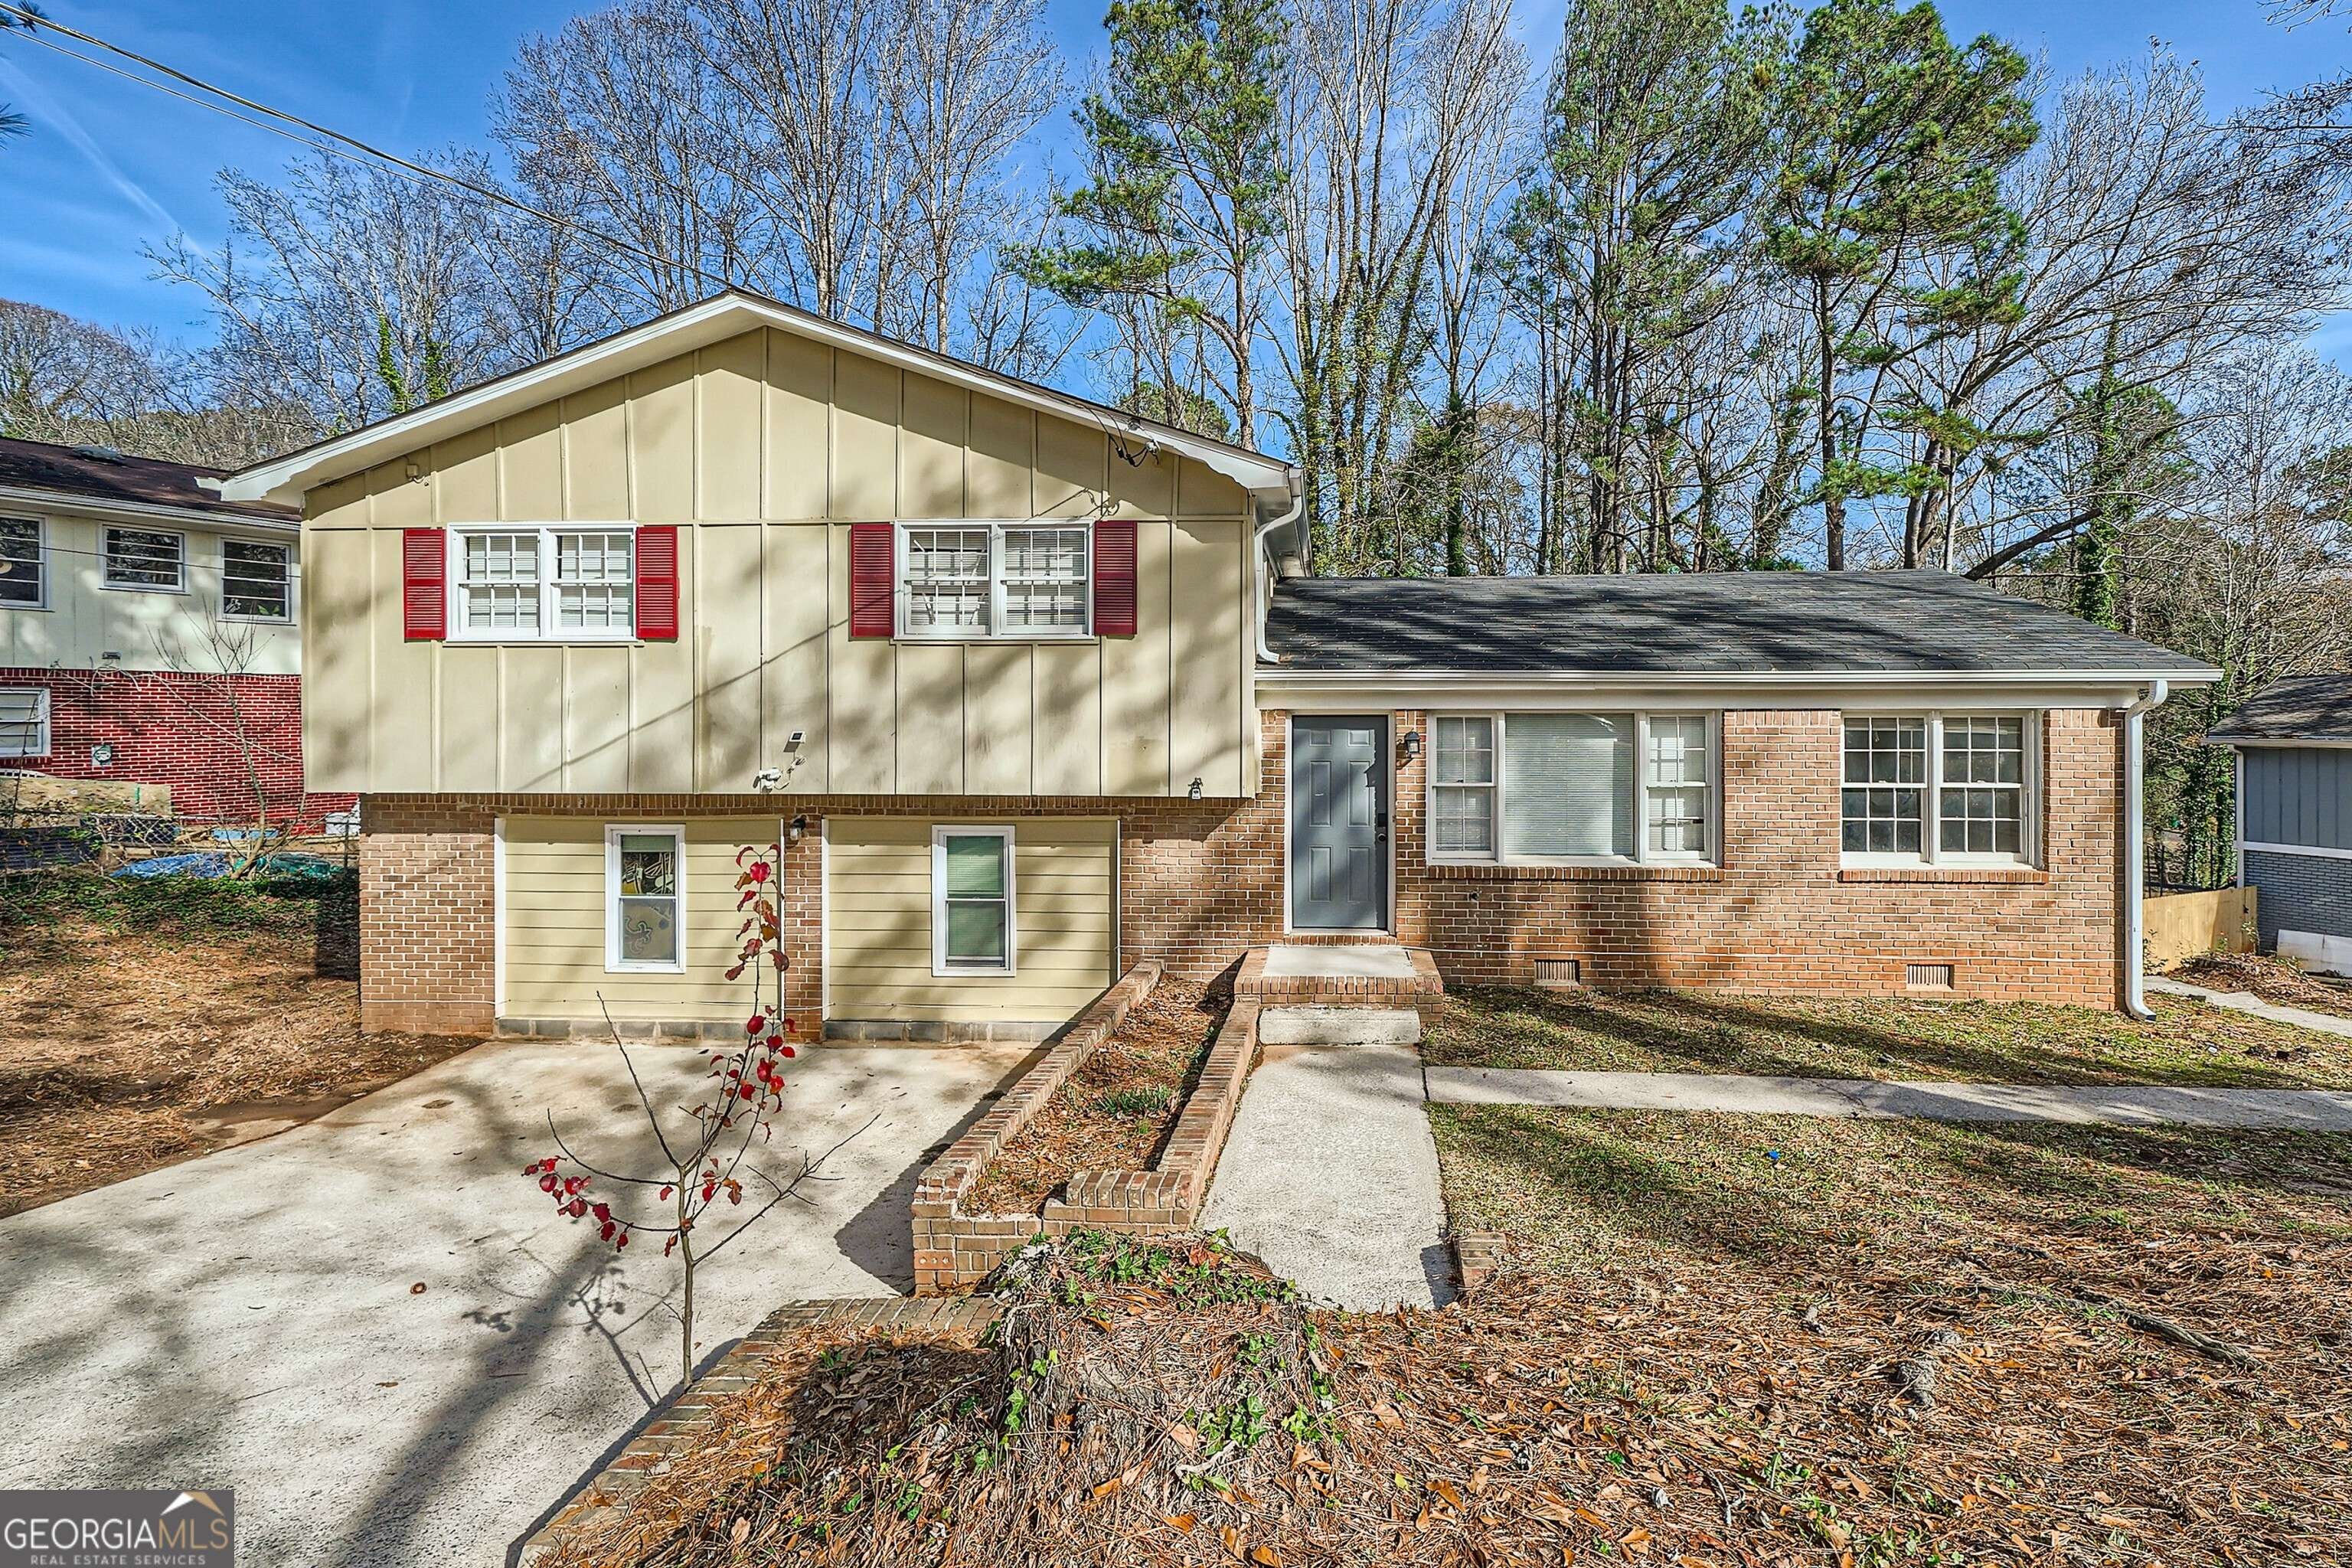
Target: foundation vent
(1559, 973)
(1928, 976)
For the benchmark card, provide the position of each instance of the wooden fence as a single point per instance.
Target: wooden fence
(2182, 926)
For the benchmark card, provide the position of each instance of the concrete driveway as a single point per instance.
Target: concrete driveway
(251, 1320)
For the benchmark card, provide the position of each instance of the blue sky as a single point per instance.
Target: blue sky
(110, 166)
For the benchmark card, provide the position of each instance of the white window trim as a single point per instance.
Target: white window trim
(941, 968)
(284, 548)
(41, 720)
(1931, 802)
(613, 963)
(106, 559)
(40, 564)
(1083, 632)
(547, 632)
(1642, 854)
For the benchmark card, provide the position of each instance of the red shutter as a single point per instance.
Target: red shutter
(872, 567)
(657, 582)
(1113, 579)
(423, 584)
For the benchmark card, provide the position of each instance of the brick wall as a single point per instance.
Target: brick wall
(183, 729)
(1201, 881)
(2299, 892)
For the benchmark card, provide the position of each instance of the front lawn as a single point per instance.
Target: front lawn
(2188, 1043)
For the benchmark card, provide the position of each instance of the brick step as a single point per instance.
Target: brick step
(1325, 1025)
(1353, 974)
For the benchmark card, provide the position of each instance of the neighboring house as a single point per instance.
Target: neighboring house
(148, 633)
(997, 652)
(2294, 741)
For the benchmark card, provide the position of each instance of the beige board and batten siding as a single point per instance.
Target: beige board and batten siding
(765, 447)
(877, 922)
(87, 625)
(552, 924)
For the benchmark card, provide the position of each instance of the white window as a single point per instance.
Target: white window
(1005, 579)
(24, 721)
(1572, 788)
(971, 900)
(24, 580)
(257, 581)
(149, 559)
(1939, 788)
(570, 584)
(644, 908)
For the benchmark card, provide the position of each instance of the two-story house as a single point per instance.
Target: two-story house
(149, 634)
(1030, 687)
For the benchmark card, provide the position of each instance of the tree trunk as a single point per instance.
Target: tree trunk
(1832, 502)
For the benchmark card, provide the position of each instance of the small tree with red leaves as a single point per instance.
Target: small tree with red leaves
(707, 1163)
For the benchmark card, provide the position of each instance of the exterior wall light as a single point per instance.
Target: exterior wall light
(1195, 793)
(1411, 744)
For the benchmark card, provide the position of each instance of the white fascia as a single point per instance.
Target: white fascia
(1342, 691)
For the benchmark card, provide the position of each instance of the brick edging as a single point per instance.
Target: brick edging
(1478, 1257)
(1168, 1198)
(691, 1415)
(955, 1249)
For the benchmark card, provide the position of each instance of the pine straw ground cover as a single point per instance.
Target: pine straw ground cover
(1115, 1111)
(144, 1022)
(1888, 1345)
(2271, 979)
(2187, 1042)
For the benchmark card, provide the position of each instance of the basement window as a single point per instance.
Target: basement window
(24, 721)
(643, 884)
(971, 900)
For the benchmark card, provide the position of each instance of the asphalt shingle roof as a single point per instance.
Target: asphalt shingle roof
(1722, 623)
(2300, 708)
(39, 465)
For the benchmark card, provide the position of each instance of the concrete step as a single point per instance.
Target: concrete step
(1330, 1025)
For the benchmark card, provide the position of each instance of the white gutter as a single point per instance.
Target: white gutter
(1418, 680)
(1263, 567)
(2135, 958)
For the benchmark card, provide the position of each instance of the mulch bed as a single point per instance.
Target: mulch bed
(125, 1047)
(1116, 1110)
(2271, 979)
(1169, 1404)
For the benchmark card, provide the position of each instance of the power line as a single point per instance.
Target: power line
(35, 22)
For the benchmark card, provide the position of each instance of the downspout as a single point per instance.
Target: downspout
(1262, 566)
(2134, 942)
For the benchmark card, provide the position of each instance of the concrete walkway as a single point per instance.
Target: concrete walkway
(1330, 1176)
(2247, 1002)
(2319, 1110)
(377, 1333)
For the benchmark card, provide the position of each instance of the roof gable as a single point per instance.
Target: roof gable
(286, 479)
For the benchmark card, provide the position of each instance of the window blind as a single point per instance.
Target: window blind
(1568, 782)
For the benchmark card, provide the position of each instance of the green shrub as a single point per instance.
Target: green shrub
(1123, 1102)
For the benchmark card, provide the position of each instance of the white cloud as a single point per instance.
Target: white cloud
(46, 109)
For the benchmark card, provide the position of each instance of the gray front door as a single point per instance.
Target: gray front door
(1338, 823)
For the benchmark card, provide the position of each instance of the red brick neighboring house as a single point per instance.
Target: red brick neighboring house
(148, 634)
(1030, 689)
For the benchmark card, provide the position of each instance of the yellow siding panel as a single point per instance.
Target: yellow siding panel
(1136, 680)
(878, 924)
(468, 677)
(531, 463)
(1071, 481)
(999, 706)
(931, 718)
(597, 454)
(1067, 745)
(336, 707)
(800, 397)
(861, 704)
(1202, 492)
(662, 698)
(793, 675)
(530, 759)
(1145, 488)
(597, 720)
(661, 441)
(865, 439)
(466, 477)
(727, 585)
(1205, 619)
(997, 477)
(733, 378)
(930, 449)
(404, 677)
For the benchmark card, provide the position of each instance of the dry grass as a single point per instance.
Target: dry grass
(142, 1024)
(1115, 1111)
(2271, 979)
(2188, 1043)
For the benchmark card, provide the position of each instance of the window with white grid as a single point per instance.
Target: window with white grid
(257, 581)
(1939, 787)
(946, 577)
(519, 583)
(995, 580)
(24, 584)
(1536, 788)
(1045, 580)
(595, 582)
